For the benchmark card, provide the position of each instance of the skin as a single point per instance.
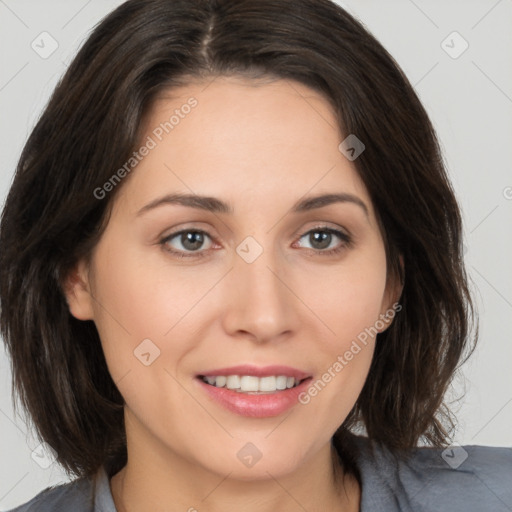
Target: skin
(260, 148)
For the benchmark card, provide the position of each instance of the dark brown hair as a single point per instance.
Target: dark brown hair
(91, 126)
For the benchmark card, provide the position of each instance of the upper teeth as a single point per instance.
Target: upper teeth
(252, 383)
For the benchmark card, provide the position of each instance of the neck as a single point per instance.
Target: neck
(180, 486)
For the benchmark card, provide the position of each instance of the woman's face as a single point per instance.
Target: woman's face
(249, 268)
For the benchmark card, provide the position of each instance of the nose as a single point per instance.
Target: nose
(260, 305)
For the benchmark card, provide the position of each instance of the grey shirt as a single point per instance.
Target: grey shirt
(459, 479)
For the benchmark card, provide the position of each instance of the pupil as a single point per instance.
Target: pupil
(322, 239)
(192, 240)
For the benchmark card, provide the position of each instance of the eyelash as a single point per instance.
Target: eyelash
(345, 242)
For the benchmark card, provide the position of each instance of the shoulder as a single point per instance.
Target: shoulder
(459, 478)
(77, 496)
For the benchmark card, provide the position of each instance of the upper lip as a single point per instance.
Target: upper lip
(257, 371)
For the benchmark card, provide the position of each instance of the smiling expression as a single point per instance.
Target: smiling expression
(243, 238)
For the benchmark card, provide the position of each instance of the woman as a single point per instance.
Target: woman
(231, 246)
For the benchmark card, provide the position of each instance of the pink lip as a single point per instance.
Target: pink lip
(255, 406)
(265, 371)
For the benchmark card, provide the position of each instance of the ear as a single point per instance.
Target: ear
(392, 294)
(76, 288)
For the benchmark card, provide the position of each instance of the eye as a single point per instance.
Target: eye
(187, 241)
(325, 240)
(196, 243)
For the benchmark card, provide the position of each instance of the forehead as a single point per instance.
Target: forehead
(237, 138)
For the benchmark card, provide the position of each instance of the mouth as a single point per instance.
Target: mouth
(252, 391)
(252, 384)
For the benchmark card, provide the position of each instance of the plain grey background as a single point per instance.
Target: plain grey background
(468, 94)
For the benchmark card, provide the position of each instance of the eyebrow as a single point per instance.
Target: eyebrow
(214, 205)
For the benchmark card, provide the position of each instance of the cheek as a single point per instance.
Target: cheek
(351, 310)
(125, 304)
(348, 298)
(138, 296)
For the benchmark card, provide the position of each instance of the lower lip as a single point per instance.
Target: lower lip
(256, 406)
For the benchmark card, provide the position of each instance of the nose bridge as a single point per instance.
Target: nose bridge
(261, 304)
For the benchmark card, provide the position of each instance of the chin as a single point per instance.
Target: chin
(249, 463)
